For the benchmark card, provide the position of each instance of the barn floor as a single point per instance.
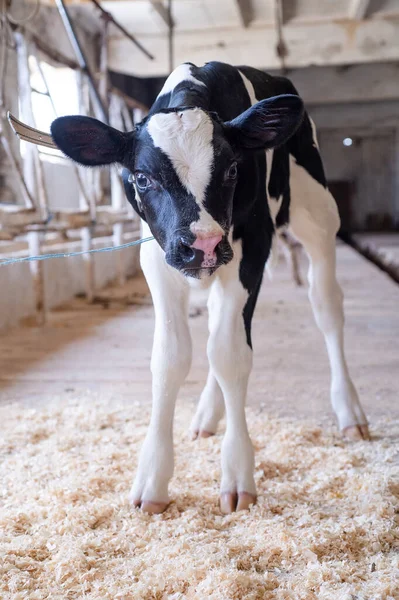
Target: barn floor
(106, 348)
(75, 399)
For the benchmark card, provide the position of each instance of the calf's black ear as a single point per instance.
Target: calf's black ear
(267, 124)
(90, 142)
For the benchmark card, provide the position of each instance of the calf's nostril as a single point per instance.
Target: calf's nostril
(201, 253)
(187, 253)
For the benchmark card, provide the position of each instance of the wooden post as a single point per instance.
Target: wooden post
(36, 269)
(33, 163)
(85, 235)
(33, 175)
(117, 192)
(103, 83)
(85, 232)
(127, 118)
(26, 194)
(24, 92)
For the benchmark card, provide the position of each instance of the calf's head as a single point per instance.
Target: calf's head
(181, 167)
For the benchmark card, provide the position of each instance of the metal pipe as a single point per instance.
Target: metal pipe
(69, 28)
(123, 30)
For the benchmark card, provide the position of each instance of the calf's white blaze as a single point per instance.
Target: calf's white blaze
(186, 139)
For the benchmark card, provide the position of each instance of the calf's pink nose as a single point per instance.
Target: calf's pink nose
(207, 244)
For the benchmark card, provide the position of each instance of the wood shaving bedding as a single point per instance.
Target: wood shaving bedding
(324, 528)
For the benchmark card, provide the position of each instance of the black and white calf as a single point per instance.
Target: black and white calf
(197, 173)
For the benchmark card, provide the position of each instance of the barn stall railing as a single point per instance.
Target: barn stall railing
(102, 209)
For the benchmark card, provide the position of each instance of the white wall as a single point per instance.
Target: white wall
(64, 278)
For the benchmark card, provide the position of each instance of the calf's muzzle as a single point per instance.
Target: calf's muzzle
(202, 253)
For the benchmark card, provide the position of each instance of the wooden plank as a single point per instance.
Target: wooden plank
(162, 11)
(244, 11)
(33, 174)
(331, 43)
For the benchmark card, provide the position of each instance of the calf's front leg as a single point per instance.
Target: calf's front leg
(230, 359)
(170, 363)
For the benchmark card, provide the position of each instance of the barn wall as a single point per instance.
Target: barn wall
(347, 84)
(360, 102)
(369, 165)
(372, 162)
(64, 279)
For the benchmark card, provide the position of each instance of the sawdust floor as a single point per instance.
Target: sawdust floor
(75, 398)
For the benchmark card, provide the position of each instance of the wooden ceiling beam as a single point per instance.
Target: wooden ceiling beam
(358, 9)
(321, 44)
(244, 11)
(162, 11)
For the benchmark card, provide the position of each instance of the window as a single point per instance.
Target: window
(54, 94)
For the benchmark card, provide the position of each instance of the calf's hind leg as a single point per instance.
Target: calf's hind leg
(210, 408)
(209, 411)
(326, 298)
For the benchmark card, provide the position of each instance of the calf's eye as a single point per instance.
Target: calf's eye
(232, 171)
(142, 182)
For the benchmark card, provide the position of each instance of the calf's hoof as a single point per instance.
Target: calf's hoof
(233, 502)
(357, 432)
(202, 433)
(152, 508)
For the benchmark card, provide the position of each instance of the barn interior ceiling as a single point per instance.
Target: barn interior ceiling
(314, 32)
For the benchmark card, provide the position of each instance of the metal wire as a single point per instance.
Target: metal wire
(11, 261)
